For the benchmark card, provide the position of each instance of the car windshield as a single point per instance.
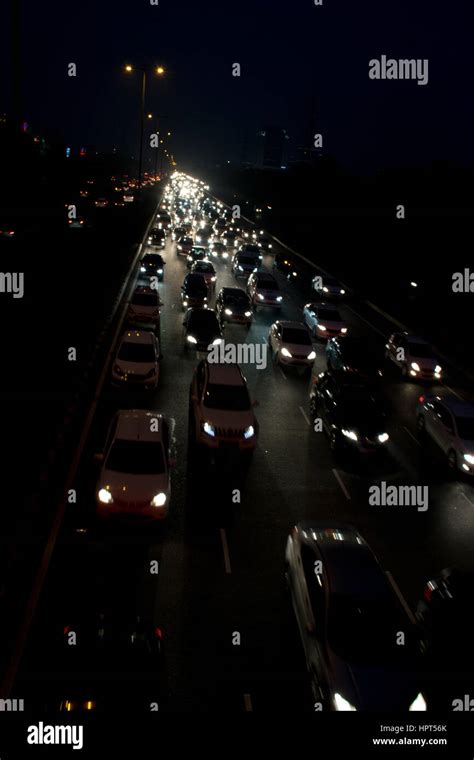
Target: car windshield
(197, 285)
(204, 266)
(203, 318)
(248, 260)
(293, 335)
(136, 457)
(364, 630)
(252, 249)
(329, 315)
(423, 350)
(145, 299)
(236, 299)
(267, 283)
(136, 352)
(151, 261)
(232, 397)
(465, 426)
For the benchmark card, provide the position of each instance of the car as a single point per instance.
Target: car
(76, 224)
(221, 412)
(137, 360)
(101, 203)
(349, 618)
(128, 198)
(323, 320)
(264, 290)
(414, 356)
(201, 329)
(157, 238)
(233, 305)
(194, 292)
(291, 344)
(354, 357)
(206, 269)
(197, 253)
(243, 264)
(135, 476)
(228, 237)
(218, 250)
(178, 232)
(219, 225)
(286, 267)
(185, 245)
(264, 242)
(163, 221)
(352, 416)
(444, 618)
(251, 249)
(152, 265)
(449, 422)
(202, 236)
(144, 306)
(327, 287)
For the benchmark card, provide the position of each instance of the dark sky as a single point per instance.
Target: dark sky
(292, 53)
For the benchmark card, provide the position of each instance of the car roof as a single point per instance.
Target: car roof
(138, 336)
(134, 425)
(288, 325)
(233, 292)
(323, 305)
(225, 374)
(457, 406)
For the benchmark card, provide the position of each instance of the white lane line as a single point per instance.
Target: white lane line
(248, 703)
(343, 487)
(282, 372)
(467, 499)
(411, 435)
(304, 414)
(359, 316)
(225, 549)
(402, 599)
(453, 391)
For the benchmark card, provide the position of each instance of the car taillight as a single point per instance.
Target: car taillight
(429, 590)
(158, 633)
(421, 400)
(66, 629)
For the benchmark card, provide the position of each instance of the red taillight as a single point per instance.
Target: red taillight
(421, 400)
(158, 633)
(66, 629)
(428, 592)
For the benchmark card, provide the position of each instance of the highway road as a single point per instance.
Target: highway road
(230, 639)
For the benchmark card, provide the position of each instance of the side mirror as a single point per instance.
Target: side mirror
(99, 456)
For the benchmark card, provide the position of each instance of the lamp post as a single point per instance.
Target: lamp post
(159, 70)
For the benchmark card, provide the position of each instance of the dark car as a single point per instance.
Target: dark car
(201, 329)
(194, 291)
(152, 265)
(353, 356)
(444, 616)
(178, 232)
(286, 267)
(233, 305)
(351, 623)
(202, 236)
(352, 416)
(197, 253)
(157, 237)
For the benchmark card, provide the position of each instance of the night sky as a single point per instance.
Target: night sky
(292, 54)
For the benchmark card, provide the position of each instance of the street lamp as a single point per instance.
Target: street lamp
(159, 70)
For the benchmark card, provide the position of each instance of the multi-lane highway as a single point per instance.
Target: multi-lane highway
(218, 596)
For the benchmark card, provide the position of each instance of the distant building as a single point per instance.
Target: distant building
(273, 153)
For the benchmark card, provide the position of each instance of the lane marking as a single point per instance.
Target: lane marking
(225, 548)
(304, 414)
(282, 372)
(248, 703)
(455, 392)
(343, 487)
(467, 499)
(411, 435)
(402, 599)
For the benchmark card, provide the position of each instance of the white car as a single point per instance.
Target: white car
(291, 343)
(144, 306)
(414, 356)
(221, 412)
(263, 290)
(135, 476)
(323, 320)
(450, 423)
(137, 360)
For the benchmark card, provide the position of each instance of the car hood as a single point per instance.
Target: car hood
(226, 419)
(127, 487)
(135, 368)
(331, 324)
(426, 363)
(204, 334)
(374, 688)
(296, 349)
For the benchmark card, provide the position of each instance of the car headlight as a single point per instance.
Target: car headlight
(191, 339)
(438, 370)
(344, 330)
(469, 458)
(279, 298)
(249, 432)
(259, 295)
(118, 370)
(217, 341)
(228, 312)
(142, 269)
(185, 303)
(270, 245)
(248, 313)
(342, 705)
(225, 255)
(240, 268)
(160, 271)
(190, 258)
(349, 434)
(213, 279)
(342, 292)
(159, 500)
(418, 704)
(312, 355)
(383, 437)
(105, 497)
(321, 327)
(286, 353)
(415, 366)
(209, 429)
(326, 290)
